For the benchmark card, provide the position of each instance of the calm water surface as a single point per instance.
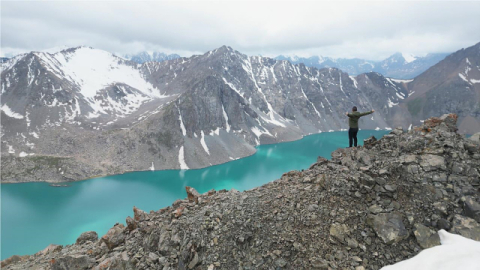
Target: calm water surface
(34, 215)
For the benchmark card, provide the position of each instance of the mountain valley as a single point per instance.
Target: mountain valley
(82, 112)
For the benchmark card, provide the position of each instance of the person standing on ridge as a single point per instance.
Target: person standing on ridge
(353, 124)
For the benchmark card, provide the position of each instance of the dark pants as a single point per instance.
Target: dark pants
(352, 136)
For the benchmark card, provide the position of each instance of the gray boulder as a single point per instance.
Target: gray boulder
(426, 237)
(472, 208)
(115, 236)
(432, 162)
(87, 236)
(73, 262)
(389, 227)
(466, 227)
(339, 231)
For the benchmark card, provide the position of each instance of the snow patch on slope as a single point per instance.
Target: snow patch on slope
(401, 81)
(463, 77)
(93, 70)
(11, 113)
(202, 142)
(181, 159)
(226, 119)
(182, 126)
(409, 57)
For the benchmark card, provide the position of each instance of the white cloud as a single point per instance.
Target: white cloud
(372, 30)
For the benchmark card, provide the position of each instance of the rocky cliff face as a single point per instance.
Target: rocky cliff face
(366, 208)
(452, 85)
(82, 112)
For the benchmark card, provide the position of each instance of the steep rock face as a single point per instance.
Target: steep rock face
(452, 85)
(366, 208)
(111, 115)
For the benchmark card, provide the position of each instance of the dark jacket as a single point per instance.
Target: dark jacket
(353, 118)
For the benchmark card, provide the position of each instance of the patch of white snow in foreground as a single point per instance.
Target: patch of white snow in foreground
(456, 252)
(11, 113)
(181, 159)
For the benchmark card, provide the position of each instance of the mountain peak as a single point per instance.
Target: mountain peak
(409, 57)
(221, 50)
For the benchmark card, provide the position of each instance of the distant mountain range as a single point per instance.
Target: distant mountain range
(400, 66)
(143, 57)
(84, 112)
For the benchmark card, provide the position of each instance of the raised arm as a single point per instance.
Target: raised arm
(366, 113)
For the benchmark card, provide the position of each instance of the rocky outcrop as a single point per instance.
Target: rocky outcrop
(87, 236)
(365, 208)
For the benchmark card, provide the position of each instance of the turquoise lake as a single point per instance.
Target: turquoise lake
(34, 215)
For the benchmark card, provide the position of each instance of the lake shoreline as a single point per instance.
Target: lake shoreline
(133, 171)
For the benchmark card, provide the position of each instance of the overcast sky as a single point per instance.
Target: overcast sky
(369, 30)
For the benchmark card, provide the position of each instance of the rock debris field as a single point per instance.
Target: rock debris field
(366, 208)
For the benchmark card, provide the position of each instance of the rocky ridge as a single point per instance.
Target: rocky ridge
(366, 208)
(398, 65)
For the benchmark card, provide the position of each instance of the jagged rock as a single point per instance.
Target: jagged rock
(472, 208)
(388, 226)
(115, 236)
(466, 227)
(375, 209)
(369, 142)
(339, 231)
(178, 212)
(432, 162)
(87, 236)
(426, 237)
(73, 262)
(192, 194)
(397, 131)
(194, 261)
(131, 224)
(11, 260)
(138, 214)
(50, 248)
(441, 208)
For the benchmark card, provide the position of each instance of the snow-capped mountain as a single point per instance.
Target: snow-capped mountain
(78, 86)
(399, 65)
(84, 112)
(143, 57)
